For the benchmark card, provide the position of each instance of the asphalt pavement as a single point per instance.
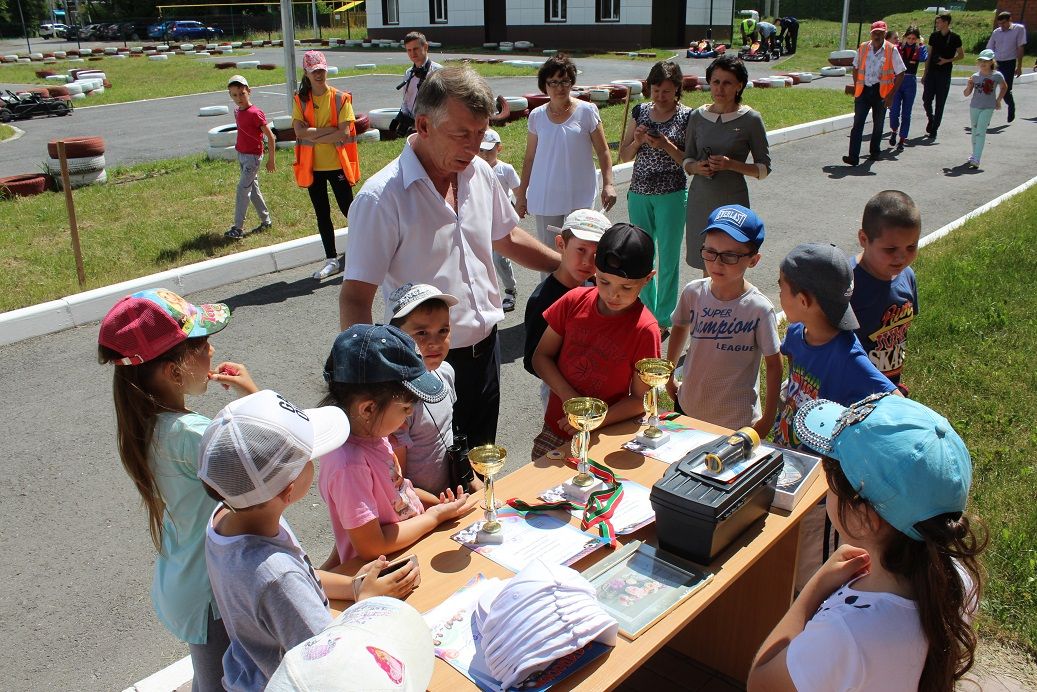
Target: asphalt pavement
(75, 609)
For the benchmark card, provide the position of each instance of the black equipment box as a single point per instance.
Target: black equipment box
(697, 518)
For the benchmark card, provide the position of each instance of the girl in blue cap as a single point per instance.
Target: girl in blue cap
(892, 608)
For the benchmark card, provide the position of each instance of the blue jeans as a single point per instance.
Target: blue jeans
(903, 100)
(868, 102)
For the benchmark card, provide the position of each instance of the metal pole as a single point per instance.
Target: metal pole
(709, 29)
(70, 205)
(24, 30)
(288, 36)
(313, 8)
(846, 21)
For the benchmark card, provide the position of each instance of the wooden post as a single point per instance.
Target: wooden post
(71, 206)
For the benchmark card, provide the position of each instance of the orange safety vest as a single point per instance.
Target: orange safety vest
(886, 77)
(348, 156)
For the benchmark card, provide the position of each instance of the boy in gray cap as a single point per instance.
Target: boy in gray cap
(826, 361)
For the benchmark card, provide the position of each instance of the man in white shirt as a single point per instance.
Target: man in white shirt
(435, 215)
(422, 66)
(1008, 41)
(874, 90)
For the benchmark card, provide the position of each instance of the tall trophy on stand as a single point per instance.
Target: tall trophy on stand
(585, 414)
(654, 372)
(488, 461)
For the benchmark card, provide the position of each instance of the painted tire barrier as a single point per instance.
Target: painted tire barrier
(371, 135)
(77, 147)
(381, 117)
(523, 45)
(206, 111)
(119, 56)
(60, 54)
(159, 56)
(841, 58)
(536, 100)
(110, 50)
(59, 90)
(77, 96)
(599, 95)
(283, 144)
(27, 185)
(223, 135)
(334, 70)
(282, 122)
(224, 65)
(517, 103)
(761, 83)
(222, 153)
(78, 180)
(833, 71)
(365, 66)
(88, 164)
(248, 64)
(363, 124)
(97, 92)
(634, 85)
(285, 135)
(74, 89)
(266, 66)
(186, 46)
(491, 46)
(58, 78)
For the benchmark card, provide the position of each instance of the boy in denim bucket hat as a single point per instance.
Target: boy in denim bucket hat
(893, 607)
(732, 328)
(374, 353)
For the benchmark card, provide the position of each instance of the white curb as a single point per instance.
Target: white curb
(170, 678)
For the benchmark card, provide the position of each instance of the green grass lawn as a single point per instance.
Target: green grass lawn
(972, 359)
(817, 38)
(126, 234)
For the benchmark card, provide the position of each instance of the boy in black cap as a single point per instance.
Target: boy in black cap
(826, 361)
(595, 334)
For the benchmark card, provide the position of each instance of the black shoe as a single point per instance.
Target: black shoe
(900, 144)
(930, 135)
(1011, 114)
(875, 156)
(850, 161)
(664, 334)
(892, 139)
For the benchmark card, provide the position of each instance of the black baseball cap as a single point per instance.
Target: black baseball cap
(823, 271)
(626, 250)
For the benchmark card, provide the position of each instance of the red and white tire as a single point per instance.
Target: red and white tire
(87, 164)
(222, 153)
(77, 147)
(223, 136)
(26, 185)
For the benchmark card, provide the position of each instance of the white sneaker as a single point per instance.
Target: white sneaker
(332, 266)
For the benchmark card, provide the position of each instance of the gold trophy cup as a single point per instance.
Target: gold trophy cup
(585, 414)
(654, 372)
(488, 461)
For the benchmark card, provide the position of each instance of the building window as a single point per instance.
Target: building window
(437, 11)
(555, 10)
(608, 10)
(390, 12)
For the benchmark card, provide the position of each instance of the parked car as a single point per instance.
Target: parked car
(90, 32)
(54, 30)
(157, 30)
(131, 31)
(108, 32)
(180, 30)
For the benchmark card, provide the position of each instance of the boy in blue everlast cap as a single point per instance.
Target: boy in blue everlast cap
(732, 328)
(892, 608)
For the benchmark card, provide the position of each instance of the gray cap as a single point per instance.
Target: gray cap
(823, 271)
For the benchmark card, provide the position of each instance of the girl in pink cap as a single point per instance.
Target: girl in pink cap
(325, 150)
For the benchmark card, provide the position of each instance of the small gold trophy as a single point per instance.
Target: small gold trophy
(585, 414)
(654, 372)
(488, 461)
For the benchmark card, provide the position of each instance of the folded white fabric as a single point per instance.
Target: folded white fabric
(541, 614)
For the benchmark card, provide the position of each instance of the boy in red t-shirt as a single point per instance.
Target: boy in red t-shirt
(595, 334)
(252, 128)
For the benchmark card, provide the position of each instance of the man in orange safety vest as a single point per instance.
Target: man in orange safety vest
(878, 70)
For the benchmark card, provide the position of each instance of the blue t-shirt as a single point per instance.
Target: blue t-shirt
(885, 310)
(838, 371)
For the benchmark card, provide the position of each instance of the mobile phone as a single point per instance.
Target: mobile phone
(653, 132)
(398, 564)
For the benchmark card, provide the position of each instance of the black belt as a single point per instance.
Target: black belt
(476, 350)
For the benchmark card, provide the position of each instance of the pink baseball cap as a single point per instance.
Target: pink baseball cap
(314, 60)
(143, 326)
(879, 25)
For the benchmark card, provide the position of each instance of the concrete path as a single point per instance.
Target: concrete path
(75, 609)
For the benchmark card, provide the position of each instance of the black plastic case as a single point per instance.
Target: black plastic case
(697, 518)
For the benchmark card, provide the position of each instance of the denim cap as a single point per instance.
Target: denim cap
(823, 270)
(372, 353)
(902, 457)
(741, 223)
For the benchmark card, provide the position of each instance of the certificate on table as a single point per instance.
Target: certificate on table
(682, 440)
(529, 536)
(633, 511)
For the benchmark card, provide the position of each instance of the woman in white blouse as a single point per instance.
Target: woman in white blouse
(558, 171)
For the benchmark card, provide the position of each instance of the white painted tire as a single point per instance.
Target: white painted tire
(59, 78)
(517, 103)
(162, 47)
(86, 51)
(842, 54)
(506, 44)
(221, 153)
(353, 43)
(137, 49)
(435, 44)
(489, 45)
(210, 46)
(285, 145)
(60, 54)
(74, 89)
(523, 45)
(381, 117)
(186, 46)
(806, 77)
(206, 111)
(83, 179)
(160, 56)
(77, 96)
(371, 135)
(202, 52)
(282, 122)
(91, 74)
(27, 60)
(748, 85)
(506, 49)
(248, 64)
(119, 56)
(331, 69)
(110, 50)
(833, 71)
(634, 85)
(151, 52)
(36, 56)
(48, 61)
(235, 44)
(97, 92)
(599, 95)
(365, 66)
(223, 135)
(71, 60)
(85, 164)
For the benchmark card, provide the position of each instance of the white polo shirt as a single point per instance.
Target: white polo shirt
(401, 230)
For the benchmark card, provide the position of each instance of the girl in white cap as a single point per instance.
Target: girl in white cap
(982, 86)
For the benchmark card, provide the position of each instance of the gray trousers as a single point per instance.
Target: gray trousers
(207, 658)
(545, 236)
(505, 272)
(248, 189)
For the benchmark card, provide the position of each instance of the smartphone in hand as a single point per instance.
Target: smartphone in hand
(398, 564)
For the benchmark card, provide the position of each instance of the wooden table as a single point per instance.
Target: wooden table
(721, 625)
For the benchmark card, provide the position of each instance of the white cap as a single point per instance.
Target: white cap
(409, 296)
(237, 79)
(260, 443)
(489, 140)
(541, 614)
(377, 645)
(585, 224)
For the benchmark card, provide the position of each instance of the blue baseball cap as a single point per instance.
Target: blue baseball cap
(741, 223)
(372, 353)
(902, 457)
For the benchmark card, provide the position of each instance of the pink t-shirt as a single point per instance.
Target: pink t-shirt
(360, 481)
(250, 124)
